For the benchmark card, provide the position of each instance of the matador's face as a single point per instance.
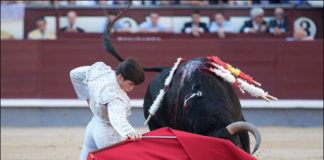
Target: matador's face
(125, 85)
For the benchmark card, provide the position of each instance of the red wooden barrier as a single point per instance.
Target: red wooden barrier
(40, 69)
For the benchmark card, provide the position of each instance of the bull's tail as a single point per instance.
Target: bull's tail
(154, 69)
(110, 48)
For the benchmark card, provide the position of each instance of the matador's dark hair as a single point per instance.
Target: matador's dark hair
(131, 70)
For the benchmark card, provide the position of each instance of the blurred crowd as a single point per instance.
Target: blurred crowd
(278, 25)
(160, 2)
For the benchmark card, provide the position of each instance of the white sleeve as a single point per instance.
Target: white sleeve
(117, 114)
(78, 75)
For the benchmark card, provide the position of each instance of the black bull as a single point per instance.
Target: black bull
(208, 114)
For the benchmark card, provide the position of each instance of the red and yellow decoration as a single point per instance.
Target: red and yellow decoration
(236, 72)
(238, 78)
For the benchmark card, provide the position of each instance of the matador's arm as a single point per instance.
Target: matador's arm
(78, 75)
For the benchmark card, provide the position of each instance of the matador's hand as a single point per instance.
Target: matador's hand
(134, 136)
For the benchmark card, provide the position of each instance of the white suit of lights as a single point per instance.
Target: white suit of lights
(109, 104)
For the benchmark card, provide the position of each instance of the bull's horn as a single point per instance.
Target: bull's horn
(245, 126)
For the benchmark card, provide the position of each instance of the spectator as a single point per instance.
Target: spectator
(41, 32)
(153, 25)
(195, 27)
(118, 26)
(256, 24)
(72, 27)
(220, 25)
(279, 25)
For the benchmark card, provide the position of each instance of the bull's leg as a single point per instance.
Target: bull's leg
(245, 141)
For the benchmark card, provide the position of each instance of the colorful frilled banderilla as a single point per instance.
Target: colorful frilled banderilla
(238, 78)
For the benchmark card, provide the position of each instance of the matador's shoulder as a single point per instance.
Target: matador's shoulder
(98, 69)
(112, 91)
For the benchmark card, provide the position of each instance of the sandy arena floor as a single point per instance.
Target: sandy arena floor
(279, 143)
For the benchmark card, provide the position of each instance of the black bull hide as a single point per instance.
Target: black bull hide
(208, 114)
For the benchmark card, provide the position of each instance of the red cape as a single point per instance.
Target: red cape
(186, 146)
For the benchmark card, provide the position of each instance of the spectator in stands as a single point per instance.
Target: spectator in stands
(279, 25)
(41, 32)
(256, 24)
(72, 27)
(220, 26)
(153, 25)
(118, 26)
(195, 27)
